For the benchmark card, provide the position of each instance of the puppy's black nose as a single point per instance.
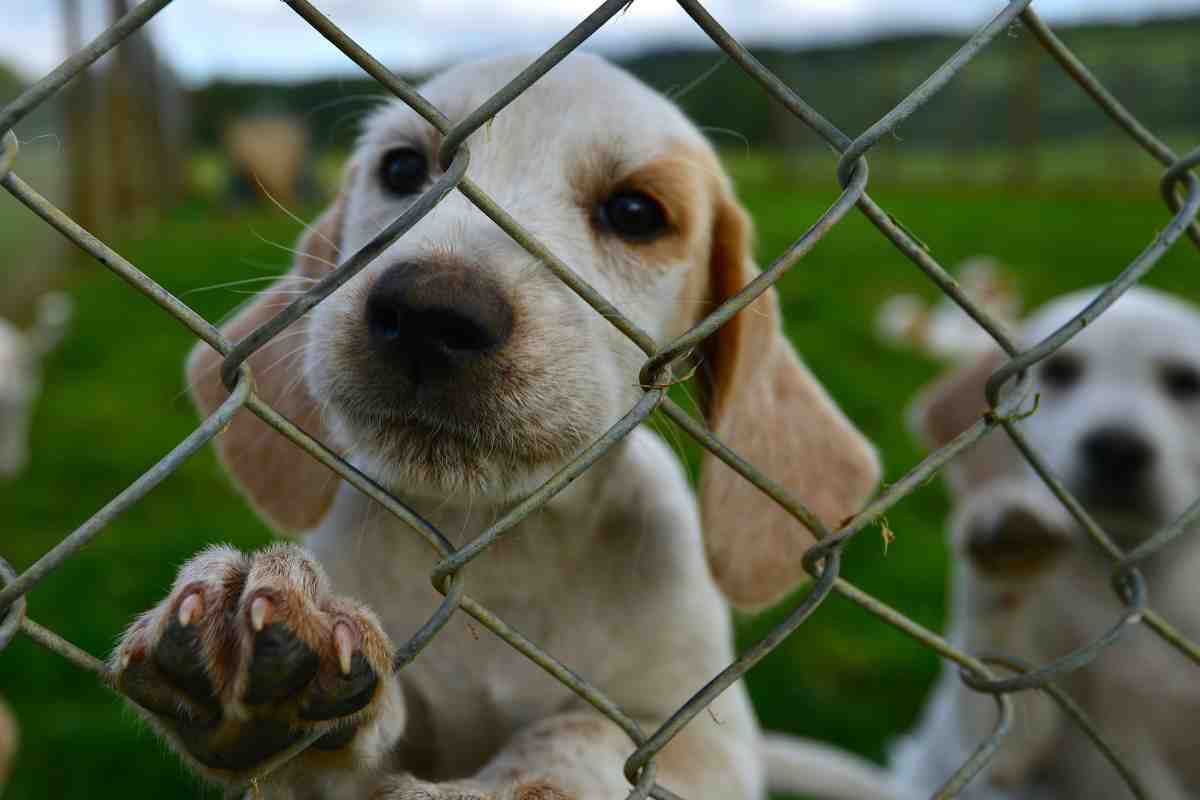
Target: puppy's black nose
(432, 319)
(1116, 455)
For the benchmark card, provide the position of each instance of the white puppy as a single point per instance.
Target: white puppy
(460, 373)
(943, 330)
(1118, 421)
(21, 355)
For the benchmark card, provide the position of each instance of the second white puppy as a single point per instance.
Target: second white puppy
(1119, 422)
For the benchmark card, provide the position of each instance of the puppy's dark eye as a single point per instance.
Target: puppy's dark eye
(634, 216)
(403, 171)
(1181, 381)
(1061, 371)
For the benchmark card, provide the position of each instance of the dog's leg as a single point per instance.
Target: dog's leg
(1018, 546)
(251, 654)
(581, 755)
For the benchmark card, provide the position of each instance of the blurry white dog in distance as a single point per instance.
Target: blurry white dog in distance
(942, 330)
(1118, 421)
(21, 356)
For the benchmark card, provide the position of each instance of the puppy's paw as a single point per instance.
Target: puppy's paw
(248, 655)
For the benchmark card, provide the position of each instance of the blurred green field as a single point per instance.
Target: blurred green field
(115, 403)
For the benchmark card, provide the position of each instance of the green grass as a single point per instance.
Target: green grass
(115, 404)
(1105, 162)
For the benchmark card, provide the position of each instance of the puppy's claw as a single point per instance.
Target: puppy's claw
(343, 643)
(191, 608)
(260, 613)
(250, 655)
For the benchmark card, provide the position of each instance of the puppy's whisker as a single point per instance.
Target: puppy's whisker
(268, 292)
(295, 218)
(741, 137)
(269, 266)
(291, 354)
(245, 281)
(208, 371)
(368, 99)
(683, 91)
(292, 250)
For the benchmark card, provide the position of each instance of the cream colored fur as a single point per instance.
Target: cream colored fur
(611, 576)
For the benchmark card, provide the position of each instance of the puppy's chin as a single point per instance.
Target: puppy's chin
(1126, 514)
(1127, 526)
(422, 456)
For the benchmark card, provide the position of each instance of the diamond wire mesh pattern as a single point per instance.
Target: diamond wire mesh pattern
(1180, 190)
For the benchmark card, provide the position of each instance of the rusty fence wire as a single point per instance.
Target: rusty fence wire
(1180, 190)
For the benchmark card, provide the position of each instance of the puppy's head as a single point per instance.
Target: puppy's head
(1121, 419)
(457, 365)
(1118, 418)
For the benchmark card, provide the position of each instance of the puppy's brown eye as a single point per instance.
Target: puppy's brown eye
(1181, 381)
(634, 216)
(403, 171)
(1062, 371)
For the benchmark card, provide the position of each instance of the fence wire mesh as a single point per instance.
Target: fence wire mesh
(1179, 187)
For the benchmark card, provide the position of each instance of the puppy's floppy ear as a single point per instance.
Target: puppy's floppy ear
(289, 488)
(762, 402)
(948, 407)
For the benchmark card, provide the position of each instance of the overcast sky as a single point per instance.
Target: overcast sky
(264, 38)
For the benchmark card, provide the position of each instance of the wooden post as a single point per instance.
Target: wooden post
(1024, 109)
(79, 112)
(122, 132)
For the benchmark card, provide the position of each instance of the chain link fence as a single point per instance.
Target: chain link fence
(1180, 190)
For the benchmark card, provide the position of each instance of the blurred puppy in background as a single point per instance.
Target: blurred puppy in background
(1119, 422)
(21, 356)
(942, 330)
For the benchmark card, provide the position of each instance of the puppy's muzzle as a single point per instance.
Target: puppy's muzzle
(1018, 542)
(432, 322)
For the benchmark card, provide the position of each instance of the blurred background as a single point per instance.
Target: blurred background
(190, 146)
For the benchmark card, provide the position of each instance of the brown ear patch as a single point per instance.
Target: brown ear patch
(674, 180)
(765, 404)
(951, 405)
(289, 488)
